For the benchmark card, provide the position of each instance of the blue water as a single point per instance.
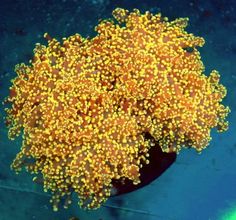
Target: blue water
(196, 187)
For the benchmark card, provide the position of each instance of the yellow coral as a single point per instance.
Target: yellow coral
(84, 105)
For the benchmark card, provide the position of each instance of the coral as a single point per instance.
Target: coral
(85, 105)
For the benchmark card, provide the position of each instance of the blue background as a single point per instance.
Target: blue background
(198, 186)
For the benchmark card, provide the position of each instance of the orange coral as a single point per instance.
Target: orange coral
(84, 105)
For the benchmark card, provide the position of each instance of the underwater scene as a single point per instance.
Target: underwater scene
(118, 110)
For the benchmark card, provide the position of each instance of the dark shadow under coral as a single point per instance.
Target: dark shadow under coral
(159, 162)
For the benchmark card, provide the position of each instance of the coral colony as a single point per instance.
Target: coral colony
(84, 105)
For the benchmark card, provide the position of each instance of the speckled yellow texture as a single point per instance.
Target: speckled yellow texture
(84, 105)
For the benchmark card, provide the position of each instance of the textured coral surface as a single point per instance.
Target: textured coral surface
(85, 105)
